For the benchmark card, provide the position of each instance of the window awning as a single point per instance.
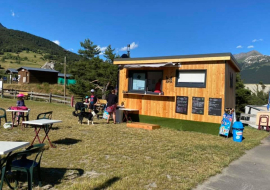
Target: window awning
(154, 65)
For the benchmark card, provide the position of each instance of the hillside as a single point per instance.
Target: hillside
(255, 67)
(19, 48)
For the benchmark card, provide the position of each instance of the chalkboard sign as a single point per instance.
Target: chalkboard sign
(215, 105)
(198, 105)
(181, 104)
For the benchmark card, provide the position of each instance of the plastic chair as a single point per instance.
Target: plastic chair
(18, 162)
(45, 115)
(4, 115)
(25, 117)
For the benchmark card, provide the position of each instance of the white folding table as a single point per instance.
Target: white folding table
(13, 114)
(46, 124)
(9, 146)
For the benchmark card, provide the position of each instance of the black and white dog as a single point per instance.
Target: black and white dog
(81, 113)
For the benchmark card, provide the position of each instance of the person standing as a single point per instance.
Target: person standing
(112, 101)
(93, 102)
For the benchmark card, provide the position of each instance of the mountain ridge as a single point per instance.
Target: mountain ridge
(2, 27)
(15, 41)
(255, 67)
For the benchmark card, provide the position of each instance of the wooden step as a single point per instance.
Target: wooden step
(147, 126)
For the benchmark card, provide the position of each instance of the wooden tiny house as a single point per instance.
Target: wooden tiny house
(193, 87)
(37, 75)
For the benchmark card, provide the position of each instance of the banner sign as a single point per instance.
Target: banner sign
(226, 124)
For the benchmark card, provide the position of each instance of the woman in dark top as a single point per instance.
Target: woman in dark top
(112, 101)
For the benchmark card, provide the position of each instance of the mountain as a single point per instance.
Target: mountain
(255, 67)
(2, 27)
(14, 44)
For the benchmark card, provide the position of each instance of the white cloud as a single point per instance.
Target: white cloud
(102, 49)
(257, 40)
(239, 46)
(250, 47)
(133, 45)
(57, 42)
(70, 49)
(12, 13)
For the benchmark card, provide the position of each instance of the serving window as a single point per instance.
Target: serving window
(145, 81)
(191, 78)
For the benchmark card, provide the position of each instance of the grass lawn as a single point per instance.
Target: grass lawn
(116, 157)
(34, 60)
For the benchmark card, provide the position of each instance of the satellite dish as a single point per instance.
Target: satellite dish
(124, 56)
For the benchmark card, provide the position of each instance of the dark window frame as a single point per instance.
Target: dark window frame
(191, 84)
(130, 81)
(231, 80)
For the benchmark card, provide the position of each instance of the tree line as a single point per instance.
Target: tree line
(92, 72)
(247, 97)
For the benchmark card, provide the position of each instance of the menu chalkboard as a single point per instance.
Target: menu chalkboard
(215, 105)
(181, 104)
(198, 105)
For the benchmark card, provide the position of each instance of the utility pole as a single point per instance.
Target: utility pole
(128, 50)
(65, 63)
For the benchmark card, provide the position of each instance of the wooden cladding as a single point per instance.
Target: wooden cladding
(217, 86)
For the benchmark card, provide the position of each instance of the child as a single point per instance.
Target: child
(86, 99)
(20, 102)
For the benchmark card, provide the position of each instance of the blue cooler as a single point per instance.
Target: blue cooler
(238, 129)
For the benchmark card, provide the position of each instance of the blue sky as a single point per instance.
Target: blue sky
(152, 27)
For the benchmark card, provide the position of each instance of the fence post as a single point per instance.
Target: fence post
(50, 98)
(72, 101)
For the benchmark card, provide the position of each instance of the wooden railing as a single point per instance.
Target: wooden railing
(11, 93)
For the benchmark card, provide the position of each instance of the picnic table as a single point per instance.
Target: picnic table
(39, 124)
(13, 114)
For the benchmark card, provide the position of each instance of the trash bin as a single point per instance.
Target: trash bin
(238, 129)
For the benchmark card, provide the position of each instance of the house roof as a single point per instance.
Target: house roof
(179, 58)
(63, 75)
(9, 70)
(37, 69)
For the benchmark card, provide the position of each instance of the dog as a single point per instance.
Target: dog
(81, 113)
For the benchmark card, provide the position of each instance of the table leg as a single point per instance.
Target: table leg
(125, 116)
(23, 125)
(47, 129)
(13, 116)
(37, 132)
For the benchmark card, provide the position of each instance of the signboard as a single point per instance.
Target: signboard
(181, 104)
(215, 105)
(226, 123)
(198, 105)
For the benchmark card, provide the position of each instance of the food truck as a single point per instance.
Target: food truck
(189, 87)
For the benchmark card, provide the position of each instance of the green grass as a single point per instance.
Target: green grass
(115, 157)
(182, 125)
(34, 60)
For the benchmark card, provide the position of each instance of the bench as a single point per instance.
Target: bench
(26, 95)
(147, 126)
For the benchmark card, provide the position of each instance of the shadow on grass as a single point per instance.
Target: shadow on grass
(53, 176)
(67, 141)
(55, 128)
(107, 183)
